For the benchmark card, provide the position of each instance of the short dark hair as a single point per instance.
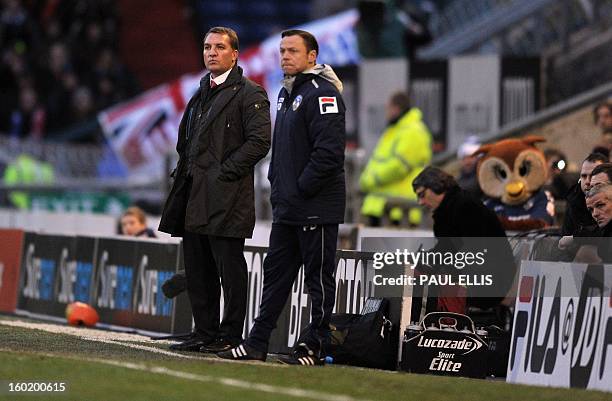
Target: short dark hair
(309, 40)
(232, 35)
(552, 152)
(603, 168)
(603, 150)
(596, 157)
(605, 103)
(401, 100)
(434, 179)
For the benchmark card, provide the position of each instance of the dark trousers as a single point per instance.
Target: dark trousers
(290, 247)
(212, 262)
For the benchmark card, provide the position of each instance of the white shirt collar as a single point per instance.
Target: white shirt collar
(221, 78)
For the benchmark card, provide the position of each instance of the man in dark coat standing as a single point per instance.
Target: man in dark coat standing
(456, 214)
(224, 132)
(308, 199)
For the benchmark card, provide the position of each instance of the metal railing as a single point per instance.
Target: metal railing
(517, 27)
(76, 169)
(542, 117)
(68, 160)
(462, 12)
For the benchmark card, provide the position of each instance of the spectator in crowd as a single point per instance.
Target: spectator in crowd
(58, 51)
(110, 80)
(457, 214)
(225, 131)
(91, 43)
(60, 81)
(578, 220)
(602, 174)
(16, 26)
(556, 184)
(468, 177)
(308, 200)
(30, 118)
(14, 76)
(602, 115)
(82, 105)
(599, 203)
(402, 151)
(134, 223)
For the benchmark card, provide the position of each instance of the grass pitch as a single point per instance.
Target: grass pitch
(99, 365)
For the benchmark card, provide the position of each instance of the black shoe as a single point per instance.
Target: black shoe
(243, 353)
(302, 355)
(193, 344)
(174, 285)
(219, 345)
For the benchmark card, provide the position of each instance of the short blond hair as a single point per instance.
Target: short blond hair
(136, 212)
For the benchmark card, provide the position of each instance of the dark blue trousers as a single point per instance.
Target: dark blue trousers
(290, 247)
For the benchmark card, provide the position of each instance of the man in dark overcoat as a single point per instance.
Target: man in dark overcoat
(224, 132)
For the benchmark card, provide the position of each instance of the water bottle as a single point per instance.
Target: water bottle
(412, 330)
(483, 334)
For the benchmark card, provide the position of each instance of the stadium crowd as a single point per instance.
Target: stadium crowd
(59, 64)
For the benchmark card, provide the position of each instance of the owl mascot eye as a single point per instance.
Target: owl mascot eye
(511, 173)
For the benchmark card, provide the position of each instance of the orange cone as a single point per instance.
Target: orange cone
(81, 314)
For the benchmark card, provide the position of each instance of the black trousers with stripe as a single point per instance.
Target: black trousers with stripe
(290, 247)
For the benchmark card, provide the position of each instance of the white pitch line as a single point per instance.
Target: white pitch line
(123, 339)
(230, 382)
(80, 331)
(141, 347)
(242, 384)
(226, 381)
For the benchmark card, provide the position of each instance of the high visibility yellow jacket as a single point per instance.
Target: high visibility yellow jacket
(26, 170)
(401, 153)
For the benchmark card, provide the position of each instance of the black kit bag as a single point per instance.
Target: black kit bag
(363, 339)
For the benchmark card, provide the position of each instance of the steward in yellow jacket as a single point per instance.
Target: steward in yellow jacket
(401, 153)
(26, 170)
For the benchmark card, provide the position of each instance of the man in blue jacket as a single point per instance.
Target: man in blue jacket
(308, 198)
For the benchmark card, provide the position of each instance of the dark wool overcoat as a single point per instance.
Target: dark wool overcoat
(231, 138)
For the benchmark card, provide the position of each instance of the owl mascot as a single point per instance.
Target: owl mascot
(511, 173)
